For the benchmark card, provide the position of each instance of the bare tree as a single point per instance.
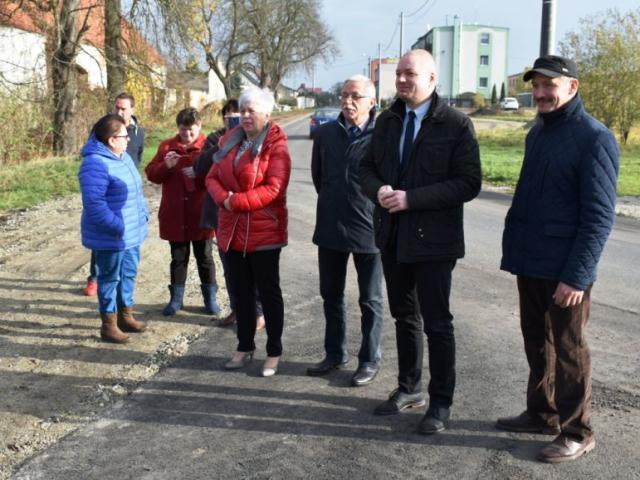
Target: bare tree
(286, 35)
(68, 29)
(116, 75)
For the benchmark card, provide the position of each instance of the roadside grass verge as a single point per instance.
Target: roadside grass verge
(29, 183)
(502, 152)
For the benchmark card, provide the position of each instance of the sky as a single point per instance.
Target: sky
(359, 25)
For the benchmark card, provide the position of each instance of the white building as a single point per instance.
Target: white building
(470, 58)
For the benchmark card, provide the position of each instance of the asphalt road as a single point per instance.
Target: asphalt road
(195, 420)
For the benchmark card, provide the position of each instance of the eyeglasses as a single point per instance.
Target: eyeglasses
(352, 96)
(121, 136)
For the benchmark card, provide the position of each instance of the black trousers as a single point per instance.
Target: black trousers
(559, 388)
(259, 270)
(419, 301)
(180, 261)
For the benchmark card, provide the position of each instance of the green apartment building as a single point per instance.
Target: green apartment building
(470, 58)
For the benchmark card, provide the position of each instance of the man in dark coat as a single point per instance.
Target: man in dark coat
(561, 215)
(422, 166)
(344, 226)
(124, 106)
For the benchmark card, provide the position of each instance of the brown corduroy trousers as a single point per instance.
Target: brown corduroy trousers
(559, 388)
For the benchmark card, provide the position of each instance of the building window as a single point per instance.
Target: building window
(484, 38)
(484, 82)
(484, 59)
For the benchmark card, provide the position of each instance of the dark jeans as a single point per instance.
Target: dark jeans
(333, 274)
(556, 348)
(180, 261)
(262, 270)
(93, 270)
(231, 289)
(419, 299)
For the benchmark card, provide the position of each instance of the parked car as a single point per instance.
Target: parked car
(320, 116)
(509, 103)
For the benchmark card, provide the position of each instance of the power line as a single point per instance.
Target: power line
(421, 17)
(421, 7)
(393, 36)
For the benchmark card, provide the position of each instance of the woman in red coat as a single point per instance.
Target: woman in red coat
(248, 181)
(182, 198)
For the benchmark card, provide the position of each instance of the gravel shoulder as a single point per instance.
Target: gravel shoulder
(56, 373)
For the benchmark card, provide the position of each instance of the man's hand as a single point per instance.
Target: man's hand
(381, 191)
(393, 200)
(567, 296)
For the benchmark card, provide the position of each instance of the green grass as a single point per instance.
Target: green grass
(502, 152)
(37, 181)
(27, 184)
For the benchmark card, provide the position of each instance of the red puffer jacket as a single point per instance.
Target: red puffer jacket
(258, 216)
(182, 197)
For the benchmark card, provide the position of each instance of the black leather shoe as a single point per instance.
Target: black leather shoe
(324, 367)
(364, 376)
(398, 401)
(435, 420)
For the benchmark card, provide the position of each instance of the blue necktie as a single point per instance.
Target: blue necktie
(407, 145)
(353, 133)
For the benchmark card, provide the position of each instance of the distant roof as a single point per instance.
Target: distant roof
(25, 16)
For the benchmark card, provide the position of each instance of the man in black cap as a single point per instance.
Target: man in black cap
(560, 217)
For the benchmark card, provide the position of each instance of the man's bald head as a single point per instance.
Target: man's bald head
(416, 77)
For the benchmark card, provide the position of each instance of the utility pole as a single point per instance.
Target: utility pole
(379, 74)
(401, 34)
(548, 30)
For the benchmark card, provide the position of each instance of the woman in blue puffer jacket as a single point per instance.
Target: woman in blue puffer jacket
(114, 223)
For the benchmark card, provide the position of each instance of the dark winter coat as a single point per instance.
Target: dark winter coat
(114, 210)
(202, 165)
(182, 197)
(135, 147)
(258, 216)
(344, 215)
(443, 172)
(564, 204)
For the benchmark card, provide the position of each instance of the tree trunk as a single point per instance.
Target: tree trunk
(64, 78)
(116, 76)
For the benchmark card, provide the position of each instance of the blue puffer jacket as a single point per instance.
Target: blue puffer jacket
(564, 204)
(114, 210)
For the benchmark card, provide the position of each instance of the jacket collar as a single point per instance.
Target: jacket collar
(574, 107)
(436, 109)
(236, 136)
(370, 122)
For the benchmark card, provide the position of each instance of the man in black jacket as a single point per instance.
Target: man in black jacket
(344, 226)
(422, 166)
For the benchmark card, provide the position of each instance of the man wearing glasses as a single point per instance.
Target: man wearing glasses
(123, 106)
(344, 227)
(422, 166)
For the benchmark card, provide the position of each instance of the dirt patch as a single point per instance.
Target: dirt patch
(56, 374)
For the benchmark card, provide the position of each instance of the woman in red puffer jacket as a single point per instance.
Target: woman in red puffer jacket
(182, 198)
(248, 181)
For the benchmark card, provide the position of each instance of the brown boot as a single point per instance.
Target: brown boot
(109, 332)
(127, 323)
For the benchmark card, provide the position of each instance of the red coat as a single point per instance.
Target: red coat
(258, 216)
(182, 198)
